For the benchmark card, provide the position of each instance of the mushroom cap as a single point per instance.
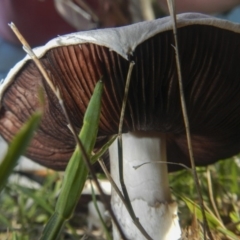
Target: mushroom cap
(209, 53)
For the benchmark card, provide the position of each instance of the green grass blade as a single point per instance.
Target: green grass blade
(230, 235)
(107, 234)
(30, 193)
(15, 236)
(76, 171)
(105, 147)
(213, 221)
(18, 147)
(54, 227)
(5, 221)
(195, 209)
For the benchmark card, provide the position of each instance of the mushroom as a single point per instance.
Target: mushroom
(153, 124)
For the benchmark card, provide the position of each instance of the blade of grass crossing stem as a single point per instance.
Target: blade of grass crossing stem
(76, 171)
(18, 147)
(107, 234)
(105, 147)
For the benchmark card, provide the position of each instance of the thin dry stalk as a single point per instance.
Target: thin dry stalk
(171, 6)
(163, 162)
(147, 10)
(210, 191)
(56, 91)
(125, 97)
(113, 184)
(127, 201)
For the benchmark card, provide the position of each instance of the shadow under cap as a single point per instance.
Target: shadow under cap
(209, 53)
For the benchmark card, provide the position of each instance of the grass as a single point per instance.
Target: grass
(25, 209)
(221, 194)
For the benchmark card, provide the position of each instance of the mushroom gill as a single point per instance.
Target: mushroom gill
(209, 59)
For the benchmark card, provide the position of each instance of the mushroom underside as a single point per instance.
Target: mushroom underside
(209, 59)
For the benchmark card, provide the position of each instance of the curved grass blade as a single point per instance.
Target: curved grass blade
(31, 193)
(76, 171)
(104, 148)
(213, 221)
(18, 147)
(104, 225)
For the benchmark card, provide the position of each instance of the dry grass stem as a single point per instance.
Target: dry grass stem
(210, 190)
(29, 51)
(171, 6)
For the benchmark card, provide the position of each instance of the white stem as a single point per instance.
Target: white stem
(147, 187)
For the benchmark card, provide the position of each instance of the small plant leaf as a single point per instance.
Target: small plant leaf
(195, 209)
(213, 221)
(107, 234)
(38, 200)
(104, 148)
(76, 171)
(18, 147)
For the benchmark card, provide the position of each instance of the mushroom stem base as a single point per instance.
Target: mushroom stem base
(147, 187)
